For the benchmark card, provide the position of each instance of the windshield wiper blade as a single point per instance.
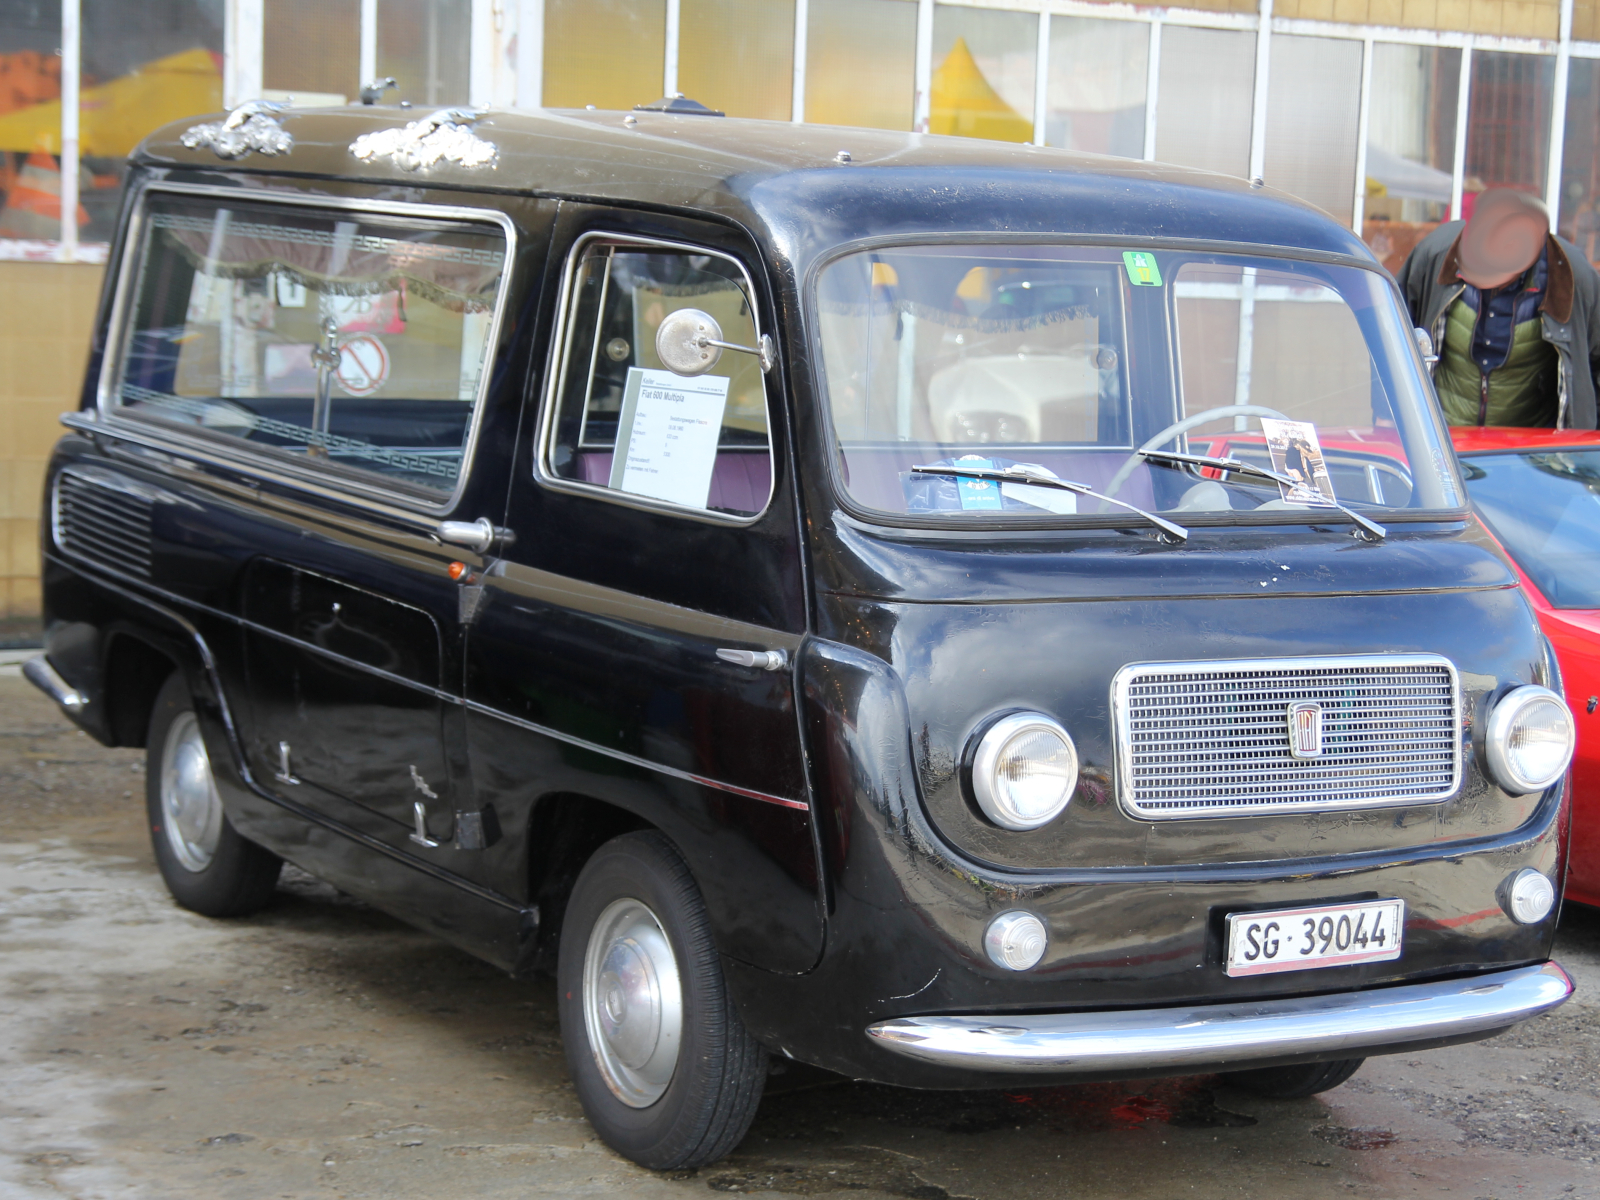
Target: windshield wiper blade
(1066, 485)
(1169, 457)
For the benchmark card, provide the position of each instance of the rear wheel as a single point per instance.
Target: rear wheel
(666, 1071)
(206, 865)
(1295, 1083)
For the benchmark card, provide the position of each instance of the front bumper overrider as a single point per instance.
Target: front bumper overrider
(1219, 1036)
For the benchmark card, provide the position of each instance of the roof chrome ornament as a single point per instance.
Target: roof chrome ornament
(373, 92)
(444, 136)
(251, 128)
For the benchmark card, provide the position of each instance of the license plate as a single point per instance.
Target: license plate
(1299, 939)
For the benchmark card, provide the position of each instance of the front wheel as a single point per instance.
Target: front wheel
(665, 1069)
(205, 864)
(1295, 1083)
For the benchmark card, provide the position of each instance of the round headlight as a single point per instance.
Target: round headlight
(1024, 770)
(1530, 739)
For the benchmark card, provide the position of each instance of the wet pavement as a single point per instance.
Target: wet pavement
(321, 1049)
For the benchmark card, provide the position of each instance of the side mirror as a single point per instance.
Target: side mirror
(1425, 346)
(689, 342)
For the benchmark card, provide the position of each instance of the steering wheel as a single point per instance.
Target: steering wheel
(1183, 426)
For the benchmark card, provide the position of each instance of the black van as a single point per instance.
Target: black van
(778, 578)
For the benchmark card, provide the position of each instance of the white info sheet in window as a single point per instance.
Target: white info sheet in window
(667, 436)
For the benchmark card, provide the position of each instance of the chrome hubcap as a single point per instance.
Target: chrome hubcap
(191, 812)
(632, 1002)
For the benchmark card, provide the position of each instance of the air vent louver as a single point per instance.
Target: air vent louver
(103, 521)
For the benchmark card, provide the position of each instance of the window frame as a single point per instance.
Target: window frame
(351, 484)
(560, 361)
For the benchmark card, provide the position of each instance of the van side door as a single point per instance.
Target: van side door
(331, 364)
(633, 650)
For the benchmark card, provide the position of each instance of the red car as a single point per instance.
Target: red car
(1538, 490)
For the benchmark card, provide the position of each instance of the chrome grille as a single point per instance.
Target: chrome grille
(106, 524)
(1208, 739)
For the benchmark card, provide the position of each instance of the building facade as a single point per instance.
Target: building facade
(1391, 115)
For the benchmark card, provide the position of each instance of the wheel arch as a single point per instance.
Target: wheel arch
(135, 669)
(564, 831)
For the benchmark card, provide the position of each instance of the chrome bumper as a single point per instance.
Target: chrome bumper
(1348, 1024)
(43, 676)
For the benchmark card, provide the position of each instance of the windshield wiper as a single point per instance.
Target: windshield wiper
(1177, 532)
(1377, 531)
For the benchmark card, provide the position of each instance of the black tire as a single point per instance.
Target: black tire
(716, 1081)
(1294, 1083)
(224, 875)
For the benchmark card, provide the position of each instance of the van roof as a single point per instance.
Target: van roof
(789, 184)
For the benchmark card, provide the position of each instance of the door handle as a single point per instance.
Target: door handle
(479, 536)
(767, 660)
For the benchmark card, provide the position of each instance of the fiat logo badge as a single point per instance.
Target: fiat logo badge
(1305, 729)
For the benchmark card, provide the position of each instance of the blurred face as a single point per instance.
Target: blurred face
(1504, 237)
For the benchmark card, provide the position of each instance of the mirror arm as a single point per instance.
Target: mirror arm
(1425, 346)
(764, 350)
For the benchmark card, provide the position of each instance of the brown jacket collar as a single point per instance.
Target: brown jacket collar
(1558, 279)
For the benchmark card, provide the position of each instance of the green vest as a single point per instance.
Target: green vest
(1521, 393)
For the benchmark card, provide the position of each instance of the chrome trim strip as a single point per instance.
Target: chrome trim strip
(1122, 730)
(1346, 1024)
(38, 671)
(449, 698)
(1541, 820)
(191, 452)
(562, 339)
(622, 756)
(108, 386)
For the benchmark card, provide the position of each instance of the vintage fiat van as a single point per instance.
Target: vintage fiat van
(767, 576)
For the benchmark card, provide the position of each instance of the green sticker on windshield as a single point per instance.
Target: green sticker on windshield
(1142, 269)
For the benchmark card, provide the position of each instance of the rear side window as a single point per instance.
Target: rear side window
(357, 342)
(622, 421)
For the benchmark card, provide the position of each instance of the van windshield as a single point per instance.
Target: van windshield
(946, 364)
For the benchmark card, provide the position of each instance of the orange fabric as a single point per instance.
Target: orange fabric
(28, 78)
(33, 206)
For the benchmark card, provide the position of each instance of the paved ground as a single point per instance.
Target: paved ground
(323, 1050)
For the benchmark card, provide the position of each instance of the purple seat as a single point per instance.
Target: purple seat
(740, 482)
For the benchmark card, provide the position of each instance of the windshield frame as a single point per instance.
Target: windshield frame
(1030, 524)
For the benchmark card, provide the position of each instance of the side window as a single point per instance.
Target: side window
(357, 342)
(622, 421)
